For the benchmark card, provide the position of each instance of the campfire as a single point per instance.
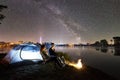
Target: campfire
(77, 65)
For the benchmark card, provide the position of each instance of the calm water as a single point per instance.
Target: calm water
(105, 59)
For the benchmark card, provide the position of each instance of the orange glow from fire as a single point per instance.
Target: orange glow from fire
(78, 65)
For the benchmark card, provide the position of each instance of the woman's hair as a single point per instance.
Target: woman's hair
(42, 47)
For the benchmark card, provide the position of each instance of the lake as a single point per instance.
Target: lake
(105, 59)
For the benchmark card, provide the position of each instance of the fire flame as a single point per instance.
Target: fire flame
(78, 65)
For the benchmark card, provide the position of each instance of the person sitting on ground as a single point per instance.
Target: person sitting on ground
(52, 51)
(54, 57)
(44, 53)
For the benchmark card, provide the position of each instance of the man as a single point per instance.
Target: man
(52, 51)
(54, 57)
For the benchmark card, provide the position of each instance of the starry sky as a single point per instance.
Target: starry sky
(60, 21)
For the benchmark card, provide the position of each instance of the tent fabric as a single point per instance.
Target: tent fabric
(28, 51)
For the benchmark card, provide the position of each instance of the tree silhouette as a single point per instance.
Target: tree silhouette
(1, 15)
(97, 43)
(104, 43)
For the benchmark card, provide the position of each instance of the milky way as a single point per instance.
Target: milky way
(60, 21)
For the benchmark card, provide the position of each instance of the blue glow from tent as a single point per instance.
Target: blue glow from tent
(24, 52)
(26, 55)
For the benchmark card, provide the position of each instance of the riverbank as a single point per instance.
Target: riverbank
(50, 72)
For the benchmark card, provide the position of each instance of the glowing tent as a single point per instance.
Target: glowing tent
(28, 51)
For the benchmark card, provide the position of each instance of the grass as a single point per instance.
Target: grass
(2, 56)
(50, 72)
(68, 58)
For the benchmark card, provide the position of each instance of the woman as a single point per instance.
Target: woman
(44, 53)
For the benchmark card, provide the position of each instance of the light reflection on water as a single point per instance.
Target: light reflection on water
(105, 59)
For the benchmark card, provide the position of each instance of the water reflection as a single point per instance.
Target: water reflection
(104, 49)
(115, 50)
(97, 48)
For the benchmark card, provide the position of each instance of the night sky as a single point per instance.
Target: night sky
(60, 21)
